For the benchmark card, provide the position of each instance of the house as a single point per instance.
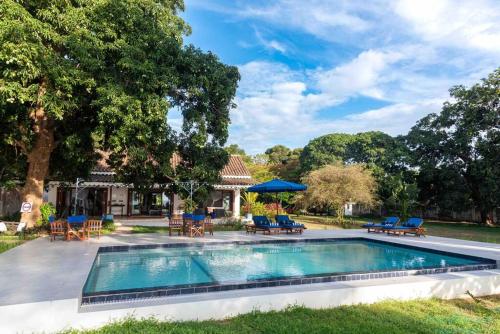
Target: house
(100, 194)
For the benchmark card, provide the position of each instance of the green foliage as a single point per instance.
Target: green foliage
(106, 73)
(404, 196)
(249, 199)
(333, 186)
(260, 209)
(384, 155)
(458, 151)
(47, 210)
(235, 149)
(189, 205)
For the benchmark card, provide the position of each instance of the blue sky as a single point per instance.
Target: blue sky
(315, 67)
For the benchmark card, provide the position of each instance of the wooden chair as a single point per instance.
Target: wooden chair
(196, 228)
(93, 226)
(209, 225)
(175, 224)
(58, 228)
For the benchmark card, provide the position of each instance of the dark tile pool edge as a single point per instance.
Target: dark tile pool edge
(137, 294)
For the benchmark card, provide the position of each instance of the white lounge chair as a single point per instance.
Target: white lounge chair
(3, 227)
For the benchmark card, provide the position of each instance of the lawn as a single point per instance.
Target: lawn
(419, 316)
(8, 241)
(464, 231)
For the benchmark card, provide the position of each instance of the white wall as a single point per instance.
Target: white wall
(118, 196)
(52, 195)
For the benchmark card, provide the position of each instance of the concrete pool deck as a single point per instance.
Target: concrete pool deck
(41, 283)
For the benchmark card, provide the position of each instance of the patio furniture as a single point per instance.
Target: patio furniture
(91, 226)
(196, 226)
(387, 223)
(262, 223)
(250, 228)
(175, 223)
(76, 227)
(58, 228)
(209, 225)
(289, 225)
(3, 227)
(411, 226)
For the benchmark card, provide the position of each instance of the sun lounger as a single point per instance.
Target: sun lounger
(387, 223)
(262, 223)
(289, 225)
(411, 226)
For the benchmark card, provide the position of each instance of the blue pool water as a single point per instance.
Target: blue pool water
(233, 263)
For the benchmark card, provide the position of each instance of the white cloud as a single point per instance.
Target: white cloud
(407, 53)
(272, 44)
(461, 24)
(360, 76)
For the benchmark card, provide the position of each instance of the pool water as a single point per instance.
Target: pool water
(242, 263)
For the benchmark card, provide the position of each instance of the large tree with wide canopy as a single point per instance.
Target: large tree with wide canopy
(86, 75)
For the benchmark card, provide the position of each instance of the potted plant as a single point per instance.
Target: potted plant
(249, 200)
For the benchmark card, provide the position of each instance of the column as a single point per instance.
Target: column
(236, 203)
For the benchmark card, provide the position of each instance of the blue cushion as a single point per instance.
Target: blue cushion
(77, 219)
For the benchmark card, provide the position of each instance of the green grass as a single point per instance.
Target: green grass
(464, 231)
(8, 241)
(419, 316)
(473, 232)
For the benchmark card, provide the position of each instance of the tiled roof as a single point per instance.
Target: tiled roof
(234, 167)
(234, 173)
(237, 181)
(94, 177)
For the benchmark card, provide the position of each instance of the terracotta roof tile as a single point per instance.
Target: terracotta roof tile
(234, 167)
(237, 181)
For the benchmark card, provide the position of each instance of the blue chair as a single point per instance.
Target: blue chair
(262, 223)
(80, 219)
(388, 222)
(412, 226)
(289, 225)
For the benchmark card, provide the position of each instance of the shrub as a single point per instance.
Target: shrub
(47, 210)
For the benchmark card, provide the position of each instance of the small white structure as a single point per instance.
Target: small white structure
(102, 195)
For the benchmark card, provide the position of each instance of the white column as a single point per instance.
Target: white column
(236, 203)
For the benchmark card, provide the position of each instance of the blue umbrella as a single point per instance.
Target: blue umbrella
(276, 186)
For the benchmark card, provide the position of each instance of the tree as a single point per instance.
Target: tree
(235, 149)
(332, 186)
(404, 196)
(82, 76)
(458, 150)
(278, 154)
(384, 155)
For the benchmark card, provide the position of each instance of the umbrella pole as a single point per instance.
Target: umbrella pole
(277, 211)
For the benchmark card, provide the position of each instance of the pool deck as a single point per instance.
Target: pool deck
(41, 282)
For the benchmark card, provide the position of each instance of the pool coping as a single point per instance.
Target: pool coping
(114, 296)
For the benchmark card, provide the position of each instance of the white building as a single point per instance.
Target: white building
(102, 195)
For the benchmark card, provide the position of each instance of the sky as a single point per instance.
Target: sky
(310, 68)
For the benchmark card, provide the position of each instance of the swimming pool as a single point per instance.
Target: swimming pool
(129, 272)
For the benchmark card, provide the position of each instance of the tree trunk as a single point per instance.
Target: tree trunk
(38, 159)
